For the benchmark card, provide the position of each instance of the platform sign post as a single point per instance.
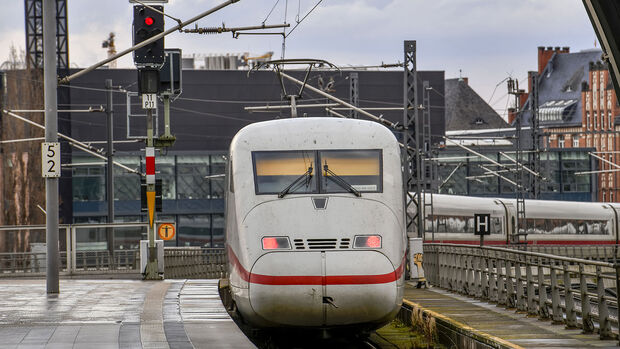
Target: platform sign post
(482, 225)
(50, 159)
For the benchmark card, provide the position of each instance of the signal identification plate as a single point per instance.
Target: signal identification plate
(149, 101)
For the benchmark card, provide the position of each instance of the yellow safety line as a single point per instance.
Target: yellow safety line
(463, 326)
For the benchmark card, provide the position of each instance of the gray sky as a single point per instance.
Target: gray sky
(487, 39)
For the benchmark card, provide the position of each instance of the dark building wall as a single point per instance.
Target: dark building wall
(210, 111)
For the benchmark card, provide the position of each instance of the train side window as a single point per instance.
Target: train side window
(583, 228)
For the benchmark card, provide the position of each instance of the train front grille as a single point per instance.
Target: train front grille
(322, 244)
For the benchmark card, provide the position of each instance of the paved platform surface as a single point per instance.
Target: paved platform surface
(504, 324)
(96, 314)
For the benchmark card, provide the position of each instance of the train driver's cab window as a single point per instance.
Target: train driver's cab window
(285, 172)
(359, 169)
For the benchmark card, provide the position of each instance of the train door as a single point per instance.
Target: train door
(616, 228)
(510, 219)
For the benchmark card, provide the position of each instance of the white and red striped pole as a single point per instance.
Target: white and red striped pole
(150, 183)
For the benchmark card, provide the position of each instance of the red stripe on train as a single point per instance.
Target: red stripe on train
(282, 280)
(536, 242)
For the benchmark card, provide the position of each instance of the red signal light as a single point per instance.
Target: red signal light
(149, 21)
(270, 243)
(373, 241)
(367, 241)
(276, 243)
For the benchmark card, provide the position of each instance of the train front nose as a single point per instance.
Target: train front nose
(324, 288)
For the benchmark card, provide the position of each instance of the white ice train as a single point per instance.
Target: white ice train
(315, 224)
(547, 222)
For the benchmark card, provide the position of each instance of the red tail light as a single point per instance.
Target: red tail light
(367, 241)
(276, 243)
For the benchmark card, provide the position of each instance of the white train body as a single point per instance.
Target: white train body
(317, 256)
(548, 222)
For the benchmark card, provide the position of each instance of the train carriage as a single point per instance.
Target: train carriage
(315, 223)
(547, 222)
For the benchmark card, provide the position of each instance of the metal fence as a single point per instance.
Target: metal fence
(576, 292)
(195, 263)
(607, 253)
(84, 254)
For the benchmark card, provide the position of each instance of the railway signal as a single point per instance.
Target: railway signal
(148, 22)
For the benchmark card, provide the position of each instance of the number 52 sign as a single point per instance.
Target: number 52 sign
(50, 159)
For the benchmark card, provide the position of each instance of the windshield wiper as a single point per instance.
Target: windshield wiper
(340, 181)
(307, 176)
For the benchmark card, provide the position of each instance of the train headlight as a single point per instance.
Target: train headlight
(276, 243)
(367, 241)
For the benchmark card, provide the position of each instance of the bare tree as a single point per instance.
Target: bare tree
(21, 186)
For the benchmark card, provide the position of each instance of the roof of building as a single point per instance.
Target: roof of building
(559, 89)
(466, 110)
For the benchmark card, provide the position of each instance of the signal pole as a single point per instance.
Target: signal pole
(51, 137)
(110, 166)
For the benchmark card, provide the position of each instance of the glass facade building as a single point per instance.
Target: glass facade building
(559, 167)
(191, 196)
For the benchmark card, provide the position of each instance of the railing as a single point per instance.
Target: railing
(179, 262)
(194, 263)
(576, 292)
(85, 261)
(596, 252)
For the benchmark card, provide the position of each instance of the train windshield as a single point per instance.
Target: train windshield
(300, 172)
(285, 172)
(342, 170)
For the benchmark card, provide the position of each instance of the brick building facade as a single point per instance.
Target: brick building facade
(581, 120)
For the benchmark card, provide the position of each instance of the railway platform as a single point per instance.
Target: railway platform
(96, 314)
(479, 324)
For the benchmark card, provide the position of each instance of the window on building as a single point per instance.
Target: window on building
(610, 119)
(191, 181)
(572, 162)
(609, 100)
(604, 196)
(588, 142)
(603, 182)
(594, 100)
(595, 116)
(611, 196)
(575, 141)
(588, 120)
(217, 167)
(164, 165)
(127, 184)
(88, 180)
(561, 141)
(194, 230)
(588, 105)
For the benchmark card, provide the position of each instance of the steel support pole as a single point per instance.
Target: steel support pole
(51, 135)
(110, 166)
(152, 272)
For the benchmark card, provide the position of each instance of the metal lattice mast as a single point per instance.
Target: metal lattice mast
(520, 230)
(354, 93)
(428, 176)
(62, 44)
(34, 34)
(411, 139)
(535, 131)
